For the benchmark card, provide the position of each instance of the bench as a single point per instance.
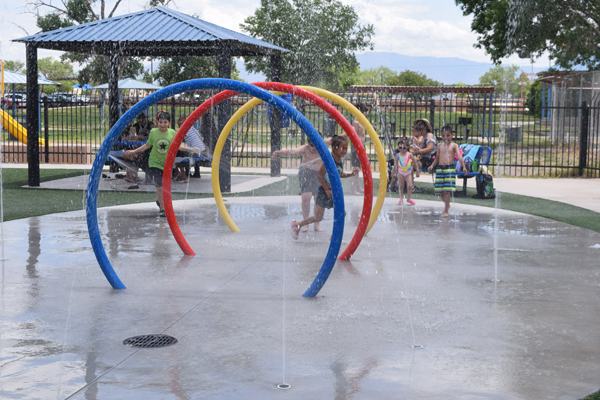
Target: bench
(113, 166)
(484, 154)
(201, 161)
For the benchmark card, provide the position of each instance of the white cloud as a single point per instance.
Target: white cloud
(411, 27)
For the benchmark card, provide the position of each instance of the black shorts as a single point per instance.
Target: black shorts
(156, 176)
(426, 162)
(354, 160)
(308, 180)
(323, 200)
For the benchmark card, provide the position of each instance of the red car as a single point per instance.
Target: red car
(7, 103)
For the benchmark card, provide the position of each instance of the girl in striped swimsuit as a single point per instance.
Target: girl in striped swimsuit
(404, 163)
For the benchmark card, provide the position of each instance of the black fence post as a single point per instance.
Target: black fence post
(46, 133)
(33, 121)
(173, 117)
(432, 114)
(583, 137)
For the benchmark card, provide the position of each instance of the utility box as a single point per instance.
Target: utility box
(329, 126)
(513, 134)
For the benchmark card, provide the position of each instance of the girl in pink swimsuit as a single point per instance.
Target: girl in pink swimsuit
(404, 162)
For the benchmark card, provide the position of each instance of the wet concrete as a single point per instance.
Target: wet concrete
(243, 327)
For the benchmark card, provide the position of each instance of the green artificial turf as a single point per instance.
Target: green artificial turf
(20, 202)
(593, 396)
(555, 210)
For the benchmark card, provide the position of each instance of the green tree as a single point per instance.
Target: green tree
(375, 76)
(177, 69)
(534, 99)
(322, 36)
(52, 69)
(506, 80)
(16, 66)
(74, 12)
(569, 30)
(412, 78)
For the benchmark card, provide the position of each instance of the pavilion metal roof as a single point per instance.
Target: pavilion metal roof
(129, 83)
(13, 77)
(157, 31)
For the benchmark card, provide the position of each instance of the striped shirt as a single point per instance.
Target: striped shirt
(192, 139)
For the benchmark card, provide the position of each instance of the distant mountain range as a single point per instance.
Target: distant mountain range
(448, 70)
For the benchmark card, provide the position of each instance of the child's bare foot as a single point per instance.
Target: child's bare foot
(318, 228)
(305, 228)
(444, 215)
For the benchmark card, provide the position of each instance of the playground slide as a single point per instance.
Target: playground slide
(15, 128)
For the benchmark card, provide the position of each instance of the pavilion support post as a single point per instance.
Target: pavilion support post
(113, 87)
(33, 119)
(275, 117)
(224, 114)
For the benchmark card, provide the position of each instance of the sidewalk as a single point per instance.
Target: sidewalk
(579, 192)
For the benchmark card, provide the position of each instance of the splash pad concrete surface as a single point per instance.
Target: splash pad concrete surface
(416, 314)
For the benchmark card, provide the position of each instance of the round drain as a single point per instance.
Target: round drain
(150, 341)
(284, 386)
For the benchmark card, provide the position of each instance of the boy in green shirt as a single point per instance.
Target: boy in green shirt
(159, 142)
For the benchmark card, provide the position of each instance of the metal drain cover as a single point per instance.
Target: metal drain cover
(150, 341)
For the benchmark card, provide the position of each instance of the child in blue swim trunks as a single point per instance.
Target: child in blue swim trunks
(324, 199)
(445, 171)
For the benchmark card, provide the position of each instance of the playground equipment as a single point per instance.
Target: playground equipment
(281, 87)
(223, 84)
(16, 129)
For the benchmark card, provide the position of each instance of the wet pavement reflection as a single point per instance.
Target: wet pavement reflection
(243, 327)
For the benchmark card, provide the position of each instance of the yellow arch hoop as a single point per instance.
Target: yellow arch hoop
(374, 138)
(217, 159)
(319, 92)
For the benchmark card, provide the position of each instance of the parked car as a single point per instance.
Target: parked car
(66, 99)
(8, 101)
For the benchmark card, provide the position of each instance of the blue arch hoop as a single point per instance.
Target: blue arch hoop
(222, 84)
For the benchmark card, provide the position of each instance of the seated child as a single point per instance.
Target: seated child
(158, 143)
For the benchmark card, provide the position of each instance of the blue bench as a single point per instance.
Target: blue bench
(201, 161)
(484, 154)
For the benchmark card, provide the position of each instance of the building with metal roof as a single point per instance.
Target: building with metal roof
(129, 83)
(156, 32)
(17, 78)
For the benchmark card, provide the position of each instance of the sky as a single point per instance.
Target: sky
(411, 27)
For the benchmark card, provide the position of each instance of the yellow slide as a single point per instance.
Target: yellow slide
(15, 128)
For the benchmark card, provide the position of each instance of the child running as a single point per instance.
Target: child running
(307, 175)
(445, 174)
(159, 142)
(324, 199)
(404, 164)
